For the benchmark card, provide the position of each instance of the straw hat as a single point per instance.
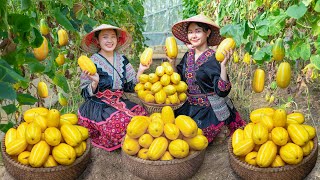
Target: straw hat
(180, 31)
(90, 43)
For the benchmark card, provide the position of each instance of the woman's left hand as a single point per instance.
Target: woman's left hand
(227, 56)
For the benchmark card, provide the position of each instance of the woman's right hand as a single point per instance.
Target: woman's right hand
(95, 78)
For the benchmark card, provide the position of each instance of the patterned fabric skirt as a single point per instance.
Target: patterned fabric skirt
(108, 134)
(213, 130)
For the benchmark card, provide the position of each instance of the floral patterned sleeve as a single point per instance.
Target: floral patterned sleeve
(224, 85)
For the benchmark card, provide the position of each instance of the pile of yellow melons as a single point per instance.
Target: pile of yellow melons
(163, 137)
(162, 87)
(46, 138)
(273, 138)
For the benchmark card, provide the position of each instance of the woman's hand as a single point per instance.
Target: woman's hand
(227, 56)
(95, 78)
(142, 68)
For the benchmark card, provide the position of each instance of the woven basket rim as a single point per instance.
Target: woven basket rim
(162, 105)
(272, 169)
(43, 169)
(161, 163)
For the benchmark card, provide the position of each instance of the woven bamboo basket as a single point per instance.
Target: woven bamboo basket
(287, 172)
(20, 171)
(164, 170)
(153, 108)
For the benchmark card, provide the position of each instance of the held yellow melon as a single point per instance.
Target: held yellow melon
(86, 64)
(172, 47)
(187, 126)
(179, 148)
(266, 154)
(291, 153)
(64, 154)
(39, 154)
(157, 148)
(146, 57)
(224, 46)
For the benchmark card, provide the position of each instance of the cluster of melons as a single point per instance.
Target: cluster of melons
(46, 138)
(162, 87)
(274, 138)
(162, 136)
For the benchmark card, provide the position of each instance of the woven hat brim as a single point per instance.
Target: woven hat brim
(90, 43)
(180, 31)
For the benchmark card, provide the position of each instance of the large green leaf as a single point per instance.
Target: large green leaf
(271, 25)
(8, 71)
(11, 108)
(20, 23)
(294, 49)
(62, 82)
(25, 4)
(34, 65)
(315, 59)
(234, 31)
(7, 91)
(36, 38)
(264, 54)
(317, 6)
(5, 127)
(26, 99)
(305, 51)
(63, 20)
(296, 11)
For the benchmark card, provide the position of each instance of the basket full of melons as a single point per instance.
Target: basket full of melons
(274, 145)
(163, 146)
(46, 145)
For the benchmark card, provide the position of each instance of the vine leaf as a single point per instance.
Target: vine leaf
(9, 109)
(26, 99)
(7, 91)
(62, 19)
(296, 11)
